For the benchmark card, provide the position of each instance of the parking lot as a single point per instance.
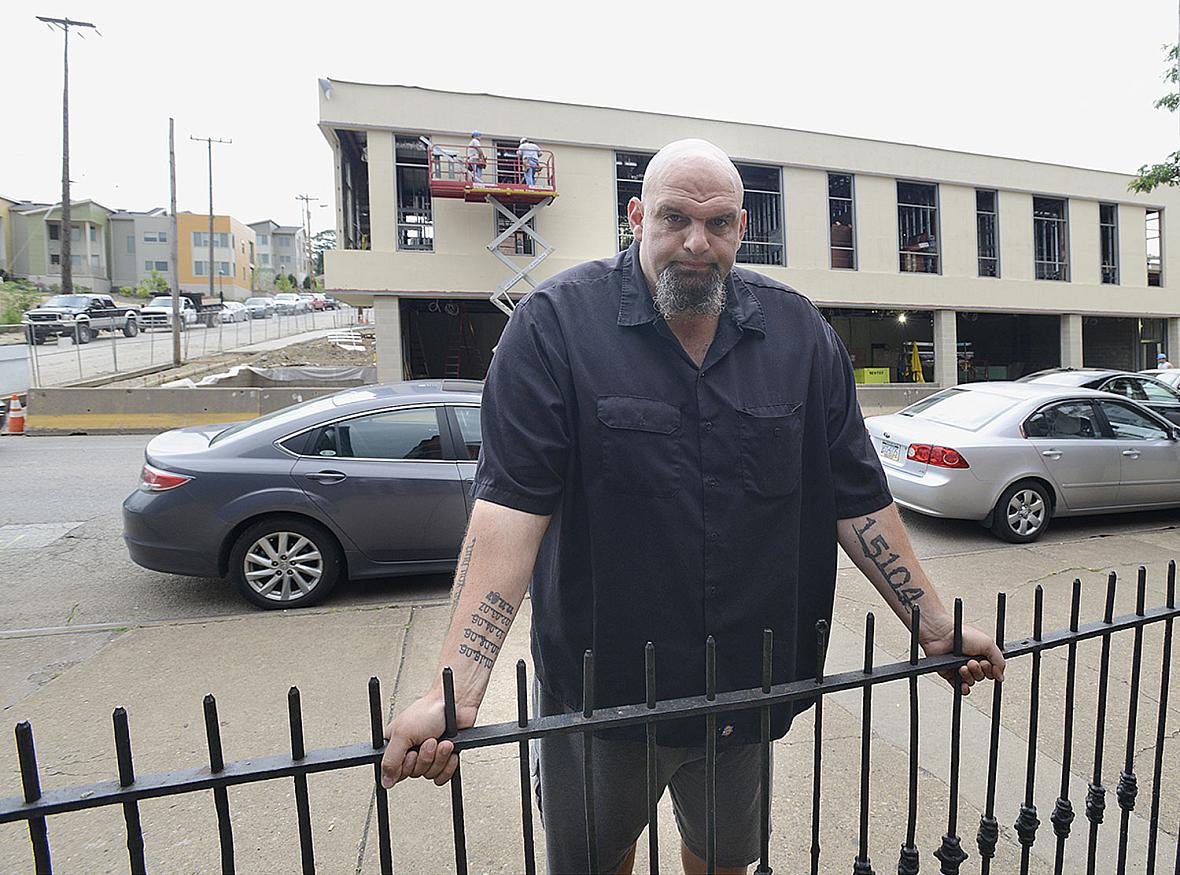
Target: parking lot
(83, 629)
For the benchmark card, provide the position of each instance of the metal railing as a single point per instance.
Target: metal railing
(56, 361)
(129, 790)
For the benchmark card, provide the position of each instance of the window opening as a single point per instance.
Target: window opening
(987, 233)
(415, 209)
(841, 212)
(1050, 239)
(917, 227)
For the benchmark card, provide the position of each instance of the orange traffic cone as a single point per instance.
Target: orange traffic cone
(16, 417)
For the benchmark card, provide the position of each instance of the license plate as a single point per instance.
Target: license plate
(889, 451)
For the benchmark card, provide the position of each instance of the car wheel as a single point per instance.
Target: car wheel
(285, 562)
(1023, 512)
(83, 334)
(130, 328)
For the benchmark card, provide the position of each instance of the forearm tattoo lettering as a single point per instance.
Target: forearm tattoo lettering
(488, 627)
(896, 575)
(461, 574)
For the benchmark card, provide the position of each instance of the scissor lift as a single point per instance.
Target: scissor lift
(502, 184)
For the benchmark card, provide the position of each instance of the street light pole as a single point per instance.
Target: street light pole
(66, 230)
(210, 141)
(307, 201)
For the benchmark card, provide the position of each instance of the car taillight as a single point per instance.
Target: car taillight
(942, 457)
(155, 480)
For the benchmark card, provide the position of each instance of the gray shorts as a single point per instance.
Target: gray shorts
(620, 796)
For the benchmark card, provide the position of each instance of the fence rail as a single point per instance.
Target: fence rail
(128, 790)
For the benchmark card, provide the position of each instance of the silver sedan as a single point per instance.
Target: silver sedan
(1014, 455)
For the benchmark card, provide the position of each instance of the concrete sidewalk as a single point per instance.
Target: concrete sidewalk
(160, 673)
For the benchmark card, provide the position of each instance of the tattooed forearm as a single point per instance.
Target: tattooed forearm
(461, 574)
(898, 577)
(487, 629)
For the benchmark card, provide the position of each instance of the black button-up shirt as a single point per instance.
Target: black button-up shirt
(687, 501)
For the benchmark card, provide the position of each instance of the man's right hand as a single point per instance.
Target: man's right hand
(420, 726)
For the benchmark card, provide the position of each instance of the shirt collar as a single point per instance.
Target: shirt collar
(636, 306)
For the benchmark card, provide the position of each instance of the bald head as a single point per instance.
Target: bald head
(694, 157)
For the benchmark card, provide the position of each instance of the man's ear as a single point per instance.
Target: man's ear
(635, 217)
(742, 226)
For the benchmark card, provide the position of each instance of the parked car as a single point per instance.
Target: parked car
(289, 503)
(192, 307)
(1167, 376)
(261, 307)
(1013, 455)
(79, 317)
(309, 302)
(288, 303)
(234, 311)
(331, 303)
(1159, 397)
(320, 301)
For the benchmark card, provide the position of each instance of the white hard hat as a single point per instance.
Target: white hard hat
(524, 139)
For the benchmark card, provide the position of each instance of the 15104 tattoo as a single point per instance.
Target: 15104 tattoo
(896, 575)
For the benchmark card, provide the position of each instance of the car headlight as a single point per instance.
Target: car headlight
(66, 317)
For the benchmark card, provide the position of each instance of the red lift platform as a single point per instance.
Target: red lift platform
(503, 183)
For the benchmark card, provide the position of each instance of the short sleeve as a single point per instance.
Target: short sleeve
(858, 481)
(526, 414)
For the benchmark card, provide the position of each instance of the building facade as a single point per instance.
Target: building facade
(233, 255)
(965, 267)
(6, 205)
(36, 243)
(140, 243)
(281, 249)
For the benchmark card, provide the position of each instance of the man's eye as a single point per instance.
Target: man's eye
(674, 220)
(720, 223)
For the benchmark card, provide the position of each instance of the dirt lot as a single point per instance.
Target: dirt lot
(317, 352)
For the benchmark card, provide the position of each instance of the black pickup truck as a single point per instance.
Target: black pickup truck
(79, 317)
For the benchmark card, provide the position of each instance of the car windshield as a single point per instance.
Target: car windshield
(161, 301)
(277, 417)
(1060, 378)
(960, 408)
(250, 301)
(287, 296)
(67, 301)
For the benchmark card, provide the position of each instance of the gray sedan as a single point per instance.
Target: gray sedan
(1014, 455)
(368, 482)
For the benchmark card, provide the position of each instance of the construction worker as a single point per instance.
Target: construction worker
(476, 159)
(672, 448)
(529, 156)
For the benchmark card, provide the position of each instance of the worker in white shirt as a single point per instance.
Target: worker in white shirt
(529, 154)
(476, 159)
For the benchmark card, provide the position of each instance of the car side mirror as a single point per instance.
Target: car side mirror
(1175, 433)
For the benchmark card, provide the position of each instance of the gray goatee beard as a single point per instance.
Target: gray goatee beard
(681, 292)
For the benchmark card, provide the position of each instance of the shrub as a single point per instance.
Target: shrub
(17, 296)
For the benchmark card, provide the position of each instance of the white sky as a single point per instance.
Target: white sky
(1050, 80)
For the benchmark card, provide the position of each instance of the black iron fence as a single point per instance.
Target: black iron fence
(36, 805)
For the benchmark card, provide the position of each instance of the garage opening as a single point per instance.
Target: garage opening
(1127, 344)
(1004, 346)
(881, 343)
(449, 339)
(354, 188)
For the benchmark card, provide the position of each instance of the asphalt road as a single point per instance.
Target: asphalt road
(65, 564)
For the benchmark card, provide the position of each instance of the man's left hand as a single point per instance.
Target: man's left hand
(989, 662)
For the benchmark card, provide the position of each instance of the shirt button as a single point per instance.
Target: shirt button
(708, 425)
(713, 536)
(712, 481)
(711, 591)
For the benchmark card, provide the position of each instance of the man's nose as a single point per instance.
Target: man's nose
(696, 241)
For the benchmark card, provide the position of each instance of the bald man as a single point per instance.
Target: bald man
(672, 448)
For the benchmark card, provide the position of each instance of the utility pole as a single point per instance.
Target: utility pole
(210, 141)
(175, 248)
(66, 229)
(307, 253)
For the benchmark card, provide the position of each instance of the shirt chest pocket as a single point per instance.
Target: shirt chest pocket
(640, 445)
(771, 448)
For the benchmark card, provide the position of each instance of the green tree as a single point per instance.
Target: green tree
(1152, 176)
(282, 284)
(17, 296)
(152, 285)
(321, 241)
(307, 282)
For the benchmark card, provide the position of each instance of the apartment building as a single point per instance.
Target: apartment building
(233, 255)
(140, 243)
(982, 267)
(36, 243)
(281, 249)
